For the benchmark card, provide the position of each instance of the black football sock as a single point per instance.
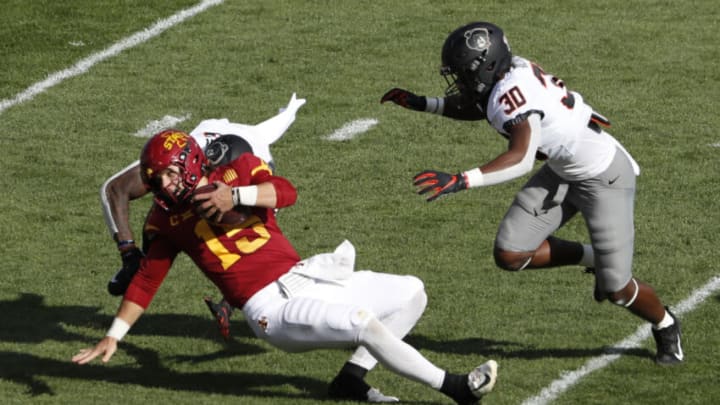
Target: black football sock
(350, 383)
(353, 369)
(456, 387)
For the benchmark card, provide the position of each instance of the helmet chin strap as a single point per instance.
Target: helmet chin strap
(167, 198)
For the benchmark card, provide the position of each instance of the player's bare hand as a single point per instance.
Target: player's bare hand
(106, 347)
(212, 205)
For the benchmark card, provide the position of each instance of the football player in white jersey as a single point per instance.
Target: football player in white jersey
(586, 171)
(222, 141)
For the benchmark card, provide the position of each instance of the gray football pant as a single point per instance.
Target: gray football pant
(546, 202)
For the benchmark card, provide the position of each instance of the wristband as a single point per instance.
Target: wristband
(434, 105)
(123, 245)
(118, 329)
(473, 178)
(246, 195)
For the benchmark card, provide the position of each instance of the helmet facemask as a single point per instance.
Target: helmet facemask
(175, 154)
(181, 186)
(467, 82)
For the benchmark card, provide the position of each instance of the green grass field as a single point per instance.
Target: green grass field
(650, 66)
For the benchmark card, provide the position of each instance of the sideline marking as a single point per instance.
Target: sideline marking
(557, 387)
(85, 64)
(155, 126)
(352, 129)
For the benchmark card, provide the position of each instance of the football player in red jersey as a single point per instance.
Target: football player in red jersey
(296, 305)
(586, 170)
(222, 141)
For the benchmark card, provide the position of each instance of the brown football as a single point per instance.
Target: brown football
(233, 217)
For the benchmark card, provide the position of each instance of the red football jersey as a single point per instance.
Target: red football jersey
(240, 259)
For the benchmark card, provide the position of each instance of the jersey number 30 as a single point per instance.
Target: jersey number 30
(514, 98)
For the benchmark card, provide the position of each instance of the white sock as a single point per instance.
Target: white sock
(588, 258)
(666, 321)
(398, 356)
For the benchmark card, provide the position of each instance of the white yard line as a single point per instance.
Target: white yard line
(85, 64)
(352, 129)
(154, 126)
(568, 379)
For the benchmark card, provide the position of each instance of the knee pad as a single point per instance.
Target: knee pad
(372, 331)
(419, 299)
(414, 283)
(626, 298)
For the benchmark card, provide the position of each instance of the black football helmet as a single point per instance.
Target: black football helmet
(474, 57)
(225, 149)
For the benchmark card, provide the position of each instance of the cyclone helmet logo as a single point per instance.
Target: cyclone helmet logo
(178, 139)
(478, 39)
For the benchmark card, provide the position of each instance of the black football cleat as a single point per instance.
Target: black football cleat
(221, 311)
(668, 342)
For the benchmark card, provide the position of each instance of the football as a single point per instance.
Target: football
(233, 217)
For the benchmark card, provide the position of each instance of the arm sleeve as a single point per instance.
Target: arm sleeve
(153, 269)
(285, 192)
(159, 257)
(260, 172)
(455, 107)
(105, 201)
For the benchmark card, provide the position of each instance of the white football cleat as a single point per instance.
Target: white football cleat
(374, 395)
(482, 380)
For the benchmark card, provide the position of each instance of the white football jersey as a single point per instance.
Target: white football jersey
(574, 151)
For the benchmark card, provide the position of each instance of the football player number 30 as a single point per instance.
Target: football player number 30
(242, 245)
(513, 98)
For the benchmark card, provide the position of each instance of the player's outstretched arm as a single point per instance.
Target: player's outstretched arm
(115, 196)
(452, 106)
(513, 163)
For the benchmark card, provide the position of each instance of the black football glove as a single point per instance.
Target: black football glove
(438, 183)
(130, 265)
(405, 99)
